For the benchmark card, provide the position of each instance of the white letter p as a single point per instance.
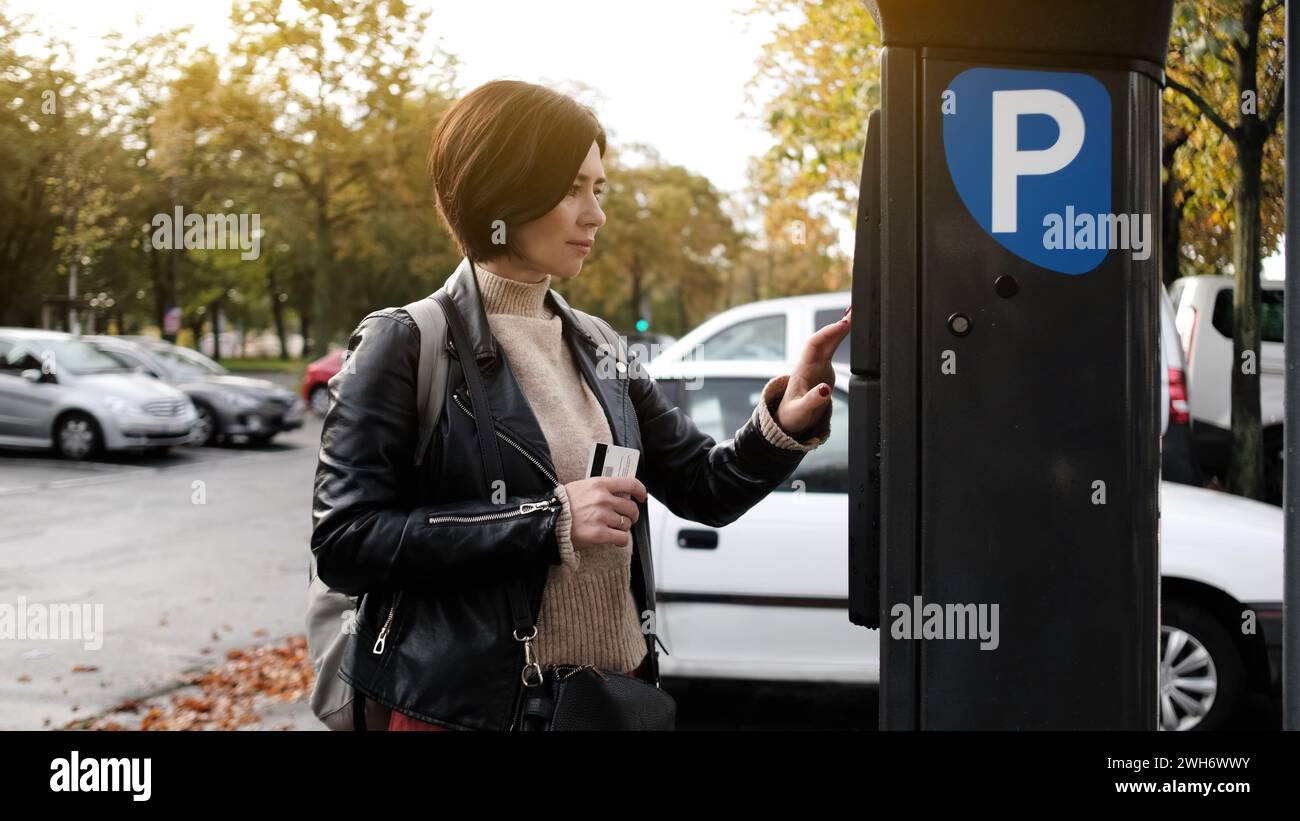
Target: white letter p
(1010, 163)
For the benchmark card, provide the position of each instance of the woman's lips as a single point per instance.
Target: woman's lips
(585, 246)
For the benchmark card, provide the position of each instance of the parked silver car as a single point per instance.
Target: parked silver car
(56, 390)
(228, 405)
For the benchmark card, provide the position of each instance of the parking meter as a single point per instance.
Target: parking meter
(1005, 422)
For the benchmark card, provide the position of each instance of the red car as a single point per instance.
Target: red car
(315, 391)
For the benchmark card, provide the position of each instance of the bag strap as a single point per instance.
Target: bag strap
(525, 628)
(431, 373)
(474, 379)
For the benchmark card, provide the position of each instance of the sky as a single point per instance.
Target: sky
(670, 73)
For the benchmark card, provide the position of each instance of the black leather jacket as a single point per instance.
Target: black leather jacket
(434, 630)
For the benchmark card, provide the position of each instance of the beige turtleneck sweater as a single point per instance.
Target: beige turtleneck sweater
(588, 613)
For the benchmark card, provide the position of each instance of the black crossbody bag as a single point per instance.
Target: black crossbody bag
(564, 697)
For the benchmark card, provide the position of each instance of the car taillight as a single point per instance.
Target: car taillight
(1178, 410)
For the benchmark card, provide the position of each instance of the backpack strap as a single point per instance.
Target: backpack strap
(598, 330)
(431, 374)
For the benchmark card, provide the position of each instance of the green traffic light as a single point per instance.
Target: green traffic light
(642, 325)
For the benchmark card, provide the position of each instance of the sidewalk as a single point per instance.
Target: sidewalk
(266, 687)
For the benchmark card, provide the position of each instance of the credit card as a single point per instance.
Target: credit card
(612, 460)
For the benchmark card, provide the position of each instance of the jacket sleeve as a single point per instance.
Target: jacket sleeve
(368, 533)
(772, 393)
(714, 483)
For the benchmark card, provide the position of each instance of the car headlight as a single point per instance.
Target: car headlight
(239, 400)
(122, 407)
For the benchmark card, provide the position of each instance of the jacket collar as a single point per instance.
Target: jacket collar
(463, 288)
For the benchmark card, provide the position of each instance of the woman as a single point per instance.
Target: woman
(516, 169)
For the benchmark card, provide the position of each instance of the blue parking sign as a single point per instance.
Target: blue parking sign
(1029, 153)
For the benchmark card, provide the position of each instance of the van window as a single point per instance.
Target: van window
(761, 338)
(823, 318)
(1272, 315)
(724, 404)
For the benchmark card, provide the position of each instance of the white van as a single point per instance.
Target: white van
(1203, 315)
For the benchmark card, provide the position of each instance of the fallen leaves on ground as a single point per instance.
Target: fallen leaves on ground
(227, 696)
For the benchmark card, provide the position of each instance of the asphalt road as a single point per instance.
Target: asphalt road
(204, 551)
(189, 555)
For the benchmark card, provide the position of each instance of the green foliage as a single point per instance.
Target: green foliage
(821, 70)
(1214, 99)
(665, 247)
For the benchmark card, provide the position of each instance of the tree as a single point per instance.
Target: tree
(42, 132)
(1174, 190)
(822, 68)
(130, 86)
(328, 69)
(1226, 58)
(663, 250)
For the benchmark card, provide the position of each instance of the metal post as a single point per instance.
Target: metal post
(1291, 494)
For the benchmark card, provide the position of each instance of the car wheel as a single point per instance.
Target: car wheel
(77, 437)
(205, 427)
(319, 399)
(1202, 677)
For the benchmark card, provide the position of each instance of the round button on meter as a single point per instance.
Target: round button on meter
(959, 324)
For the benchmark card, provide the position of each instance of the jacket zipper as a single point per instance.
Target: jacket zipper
(524, 509)
(513, 444)
(378, 649)
(563, 671)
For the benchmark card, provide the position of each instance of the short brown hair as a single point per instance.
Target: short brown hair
(508, 150)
